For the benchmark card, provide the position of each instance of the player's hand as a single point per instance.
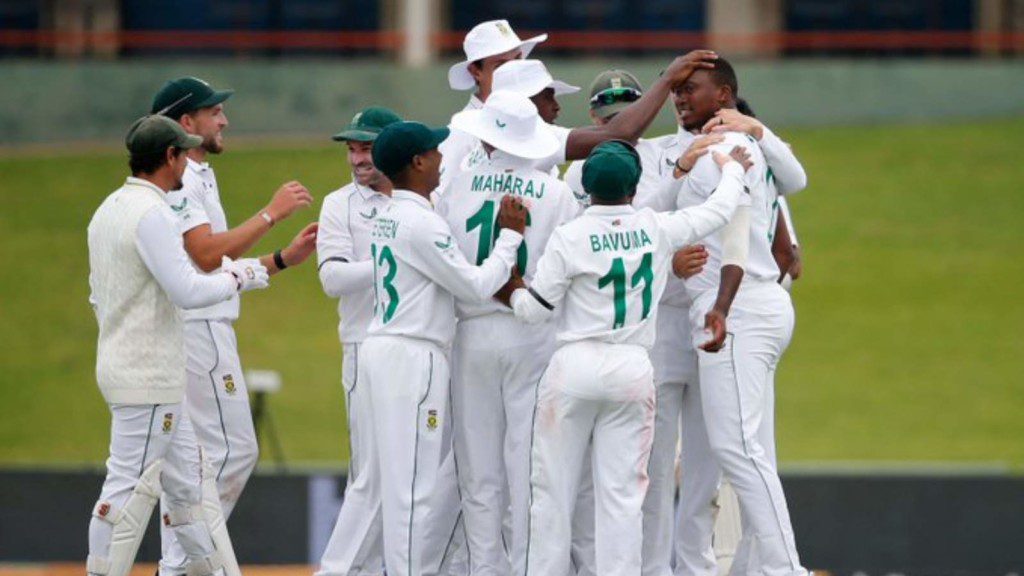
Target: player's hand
(515, 282)
(738, 153)
(729, 120)
(290, 197)
(512, 214)
(301, 246)
(697, 148)
(714, 322)
(796, 269)
(689, 261)
(249, 273)
(683, 66)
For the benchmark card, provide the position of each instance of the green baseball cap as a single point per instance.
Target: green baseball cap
(397, 143)
(188, 94)
(612, 91)
(367, 124)
(154, 133)
(612, 170)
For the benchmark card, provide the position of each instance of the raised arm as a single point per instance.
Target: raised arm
(790, 176)
(206, 248)
(632, 122)
(686, 226)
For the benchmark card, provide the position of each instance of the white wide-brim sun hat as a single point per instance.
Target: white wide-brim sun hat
(484, 40)
(509, 122)
(529, 78)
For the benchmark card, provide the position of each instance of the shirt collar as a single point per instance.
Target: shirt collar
(365, 191)
(412, 197)
(610, 209)
(474, 103)
(133, 181)
(684, 137)
(198, 167)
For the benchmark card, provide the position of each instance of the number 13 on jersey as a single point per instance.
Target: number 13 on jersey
(384, 257)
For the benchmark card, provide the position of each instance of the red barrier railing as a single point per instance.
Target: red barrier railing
(390, 40)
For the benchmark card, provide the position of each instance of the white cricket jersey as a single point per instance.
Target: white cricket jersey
(471, 202)
(457, 146)
(198, 203)
(346, 219)
(419, 270)
(650, 152)
(607, 269)
(695, 188)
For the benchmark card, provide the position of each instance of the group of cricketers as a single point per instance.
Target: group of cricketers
(527, 357)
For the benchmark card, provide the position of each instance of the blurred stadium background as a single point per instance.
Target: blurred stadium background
(899, 401)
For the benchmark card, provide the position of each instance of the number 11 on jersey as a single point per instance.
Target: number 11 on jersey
(616, 276)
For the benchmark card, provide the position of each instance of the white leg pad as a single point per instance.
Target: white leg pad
(215, 523)
(206, 566)
(129, 525)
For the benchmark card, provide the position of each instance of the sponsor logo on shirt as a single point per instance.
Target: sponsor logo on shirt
(180, 207)
(371, 215)
(446, 245)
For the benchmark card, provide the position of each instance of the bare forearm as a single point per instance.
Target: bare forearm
(630, 124)
(207, 248)
(731, 276)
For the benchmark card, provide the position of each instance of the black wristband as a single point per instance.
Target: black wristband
(279, 261)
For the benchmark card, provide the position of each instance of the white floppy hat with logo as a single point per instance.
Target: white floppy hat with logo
(488, 39)
(509, 122)
(529, 78)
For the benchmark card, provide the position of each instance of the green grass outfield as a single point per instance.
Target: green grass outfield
(908, 344)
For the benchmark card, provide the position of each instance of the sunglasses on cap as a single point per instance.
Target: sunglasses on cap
(614, 95)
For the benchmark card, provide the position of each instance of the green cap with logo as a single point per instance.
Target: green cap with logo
(187, 94)
(154, 133)
(396, 145)
(366, 125)
(612, 170)
(612, 91)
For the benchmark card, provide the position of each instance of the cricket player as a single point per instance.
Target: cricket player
(496, 359)
(346, 271)
(487, 46)
(216, 397)
(418, 273)
(740, 281)
(139, 276)
(604, 272)
(732, 551)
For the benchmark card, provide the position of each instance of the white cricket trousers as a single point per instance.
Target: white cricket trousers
(675, 378)
(497, 362)
(734, 384)
(604, 393)
(356, 545)
(408, 380)
(217, 402)
(140, 435)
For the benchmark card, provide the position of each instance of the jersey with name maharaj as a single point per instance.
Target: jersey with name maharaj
(198, 203)
(419, 270)
(470, 206)
(701, 182)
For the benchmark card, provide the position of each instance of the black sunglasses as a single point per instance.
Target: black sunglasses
(613, 95)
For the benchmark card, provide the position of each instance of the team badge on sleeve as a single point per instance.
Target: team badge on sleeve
(431, 419)
(229, 384)
(168, 424)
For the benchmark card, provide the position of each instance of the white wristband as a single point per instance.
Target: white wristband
(266, 216)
